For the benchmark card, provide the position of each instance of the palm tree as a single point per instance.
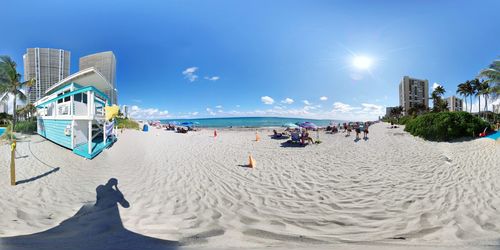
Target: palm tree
(462, 90)
(10, 82)
(470, 92)
(493, 74)
(485, 91)
(477, 87)
(436, 98)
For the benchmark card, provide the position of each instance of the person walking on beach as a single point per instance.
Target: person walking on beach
(358, 130)
(365, 131)
(348, 129)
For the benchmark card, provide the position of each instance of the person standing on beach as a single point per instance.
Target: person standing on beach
(358, 130)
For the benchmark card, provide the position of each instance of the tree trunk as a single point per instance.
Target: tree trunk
(465, 100)
(470, 97)
(14, 114)
(485, 102)
(479, 106)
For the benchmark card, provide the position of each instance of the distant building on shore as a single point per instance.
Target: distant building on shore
(125, 111)
(105, 63)
(455, 104)
(47, 66)
(496, 108)
(388, 111)
(413, 91)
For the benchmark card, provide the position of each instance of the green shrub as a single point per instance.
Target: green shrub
(445, 126)
(26, 127)
(404, 120)
(126, 123)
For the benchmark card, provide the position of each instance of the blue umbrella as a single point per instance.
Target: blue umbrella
(290, 125)
(187, 124)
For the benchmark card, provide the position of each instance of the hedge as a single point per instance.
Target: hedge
(445, 126)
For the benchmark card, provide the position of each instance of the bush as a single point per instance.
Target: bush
(445, 126)
(404, 120)
(126, 123)
(26, 127)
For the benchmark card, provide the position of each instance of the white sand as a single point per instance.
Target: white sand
(393, 190)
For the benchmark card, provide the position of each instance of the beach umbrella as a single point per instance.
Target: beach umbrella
(187, 124)
(308, 125)
(290, 125)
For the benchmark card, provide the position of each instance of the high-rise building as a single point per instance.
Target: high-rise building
(496, 108)
(388, 111)
(105, 63)
(412, 92)
(47, 66)
(125, 111)
(455, 104)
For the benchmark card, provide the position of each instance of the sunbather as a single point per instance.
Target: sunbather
(305, 137)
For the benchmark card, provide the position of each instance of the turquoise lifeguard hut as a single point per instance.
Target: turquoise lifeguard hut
(72, 114)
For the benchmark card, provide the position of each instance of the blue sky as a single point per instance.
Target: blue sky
(207, 58)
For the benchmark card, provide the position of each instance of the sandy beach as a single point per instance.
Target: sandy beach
(195, 191)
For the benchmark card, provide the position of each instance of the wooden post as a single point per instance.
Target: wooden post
(13, 163)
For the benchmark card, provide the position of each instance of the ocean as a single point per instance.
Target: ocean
(248, 122)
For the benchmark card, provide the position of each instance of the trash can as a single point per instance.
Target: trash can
(145, 128)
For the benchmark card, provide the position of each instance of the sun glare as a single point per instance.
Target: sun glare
(362, 62)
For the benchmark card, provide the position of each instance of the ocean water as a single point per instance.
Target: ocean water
(251, 122)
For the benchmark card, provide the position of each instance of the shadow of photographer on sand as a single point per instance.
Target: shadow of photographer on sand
(96, 226)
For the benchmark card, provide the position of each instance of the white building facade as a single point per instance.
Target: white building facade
(455, 104)
(105, 63)
(47, 66)
(413, 91)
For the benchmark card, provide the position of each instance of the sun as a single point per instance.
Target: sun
(362, 62)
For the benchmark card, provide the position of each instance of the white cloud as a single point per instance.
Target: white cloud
(189, 74)
(212, 78)
(147, 113)
(210, 111)
(267, 100)
(373, 108)
(323, 98)
(218, 106)
(435, 85)
(238, 106)
(342, 107)
(306, 102)
(287, 101)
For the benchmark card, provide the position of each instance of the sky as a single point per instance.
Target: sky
(219, 58)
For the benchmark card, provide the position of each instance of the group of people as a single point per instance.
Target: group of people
(358, 127)
(299, 134)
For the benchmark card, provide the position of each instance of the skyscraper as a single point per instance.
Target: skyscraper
(47, 66)
(413, 91)
(454, 103)
(105, 63)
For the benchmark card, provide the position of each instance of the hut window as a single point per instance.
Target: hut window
(78, 97)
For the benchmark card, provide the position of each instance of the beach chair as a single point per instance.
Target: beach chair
(295, 137)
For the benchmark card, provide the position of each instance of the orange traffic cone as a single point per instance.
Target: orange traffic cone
(251, 161)
(257, 137)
